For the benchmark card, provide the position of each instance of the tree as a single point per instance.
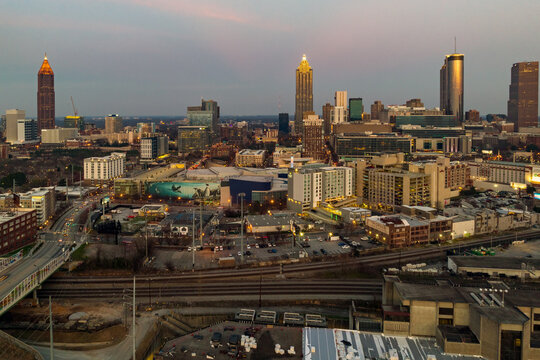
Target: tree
(19, 177)
(531, 147)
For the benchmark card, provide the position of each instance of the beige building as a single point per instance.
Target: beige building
(105, 168)
(250, 158)
(490, 321)
(447, 178)
(113, 124)
(58, 135)
(384, 189)
(41, 199)
(12, 118)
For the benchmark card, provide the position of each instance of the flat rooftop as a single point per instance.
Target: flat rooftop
(8, 215)
(331, 343)
(495, 262)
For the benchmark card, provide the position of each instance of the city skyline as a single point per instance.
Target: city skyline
(117, 64)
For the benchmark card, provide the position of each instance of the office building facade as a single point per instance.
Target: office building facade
(376, 108)
(360, 145)
(304, 94)
(45, 96)
(76, 122)
(327, 118)
(251, 158)
(58, 135)
(451, 85)
(11, 129)
(523, 100)
(313, 139)
(113, 124)
(356, 109)
(205, 115)
(27, 131)
(18, 228)
(43, 200)
(154, 147)
(283, 123)
(193, 138)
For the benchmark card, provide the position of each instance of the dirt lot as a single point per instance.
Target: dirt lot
(267, 337)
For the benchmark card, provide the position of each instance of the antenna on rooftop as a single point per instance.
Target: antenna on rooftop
(455, 46)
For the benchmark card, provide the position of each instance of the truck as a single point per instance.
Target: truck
(228, 261)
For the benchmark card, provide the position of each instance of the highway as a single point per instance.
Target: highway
(49, 249)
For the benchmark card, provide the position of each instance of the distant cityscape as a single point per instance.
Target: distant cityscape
(344, 230)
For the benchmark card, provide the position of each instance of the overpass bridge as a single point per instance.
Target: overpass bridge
(24, 275)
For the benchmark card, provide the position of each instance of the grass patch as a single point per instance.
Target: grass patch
(78, 255)
(25, 250)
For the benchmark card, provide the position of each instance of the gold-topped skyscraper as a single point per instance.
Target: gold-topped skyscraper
(45, 96)
(304, 94)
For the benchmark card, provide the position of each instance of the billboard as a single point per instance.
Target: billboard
(184, 190)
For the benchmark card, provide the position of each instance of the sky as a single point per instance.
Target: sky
(156, 57)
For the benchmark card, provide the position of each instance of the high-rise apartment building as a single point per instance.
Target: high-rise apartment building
(339, 112)
(105, 168)
(304, 93)
(356, 109)
(451, 89)
(327, 118)
(205, 115)
(113, 124)
(12, 117)
(313, 139)
(308, 187)
(45, 96)
(523, 101)
(376, 108)
(283, 123)
(340, 98)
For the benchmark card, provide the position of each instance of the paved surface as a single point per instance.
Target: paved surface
(527, 249)
(328, 344)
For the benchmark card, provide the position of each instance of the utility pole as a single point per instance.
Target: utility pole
(200, 224)
(51, 329)
(242, 226)
(193, 246)
(134, 310)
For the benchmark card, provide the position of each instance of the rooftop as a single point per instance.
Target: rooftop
(495, 262)
(331, 343)
(8, 215)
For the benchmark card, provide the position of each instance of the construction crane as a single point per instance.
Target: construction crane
(75, 112)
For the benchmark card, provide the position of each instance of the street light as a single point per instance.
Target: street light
(242, 195)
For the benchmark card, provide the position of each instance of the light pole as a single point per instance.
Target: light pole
(242, 195)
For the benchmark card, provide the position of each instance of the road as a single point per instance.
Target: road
(51, 248)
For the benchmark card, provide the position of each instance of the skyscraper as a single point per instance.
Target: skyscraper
(312, 139)
(523, 101)
(12, 117)
(45, 96)
(327, 118)
(283, 123)
(304, 93)
(451, 90)
(339, 113)
(356, 109)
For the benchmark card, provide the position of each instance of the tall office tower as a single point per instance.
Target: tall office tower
(113, 124)
(205, 115)
(327, 118)
(376, 109)
(283, 123)
(414, 103)
(304, 94)
(356, 109)
(340, 98)
(27, 131)
(523, 102)
(451, 90)
(312, 139)
(45, 96)
(74, 122)
(12, 116)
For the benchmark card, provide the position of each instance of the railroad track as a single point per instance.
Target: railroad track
(254, 288)
(393, 259)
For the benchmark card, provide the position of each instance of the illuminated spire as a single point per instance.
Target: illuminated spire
(45, 67)
(304, 64)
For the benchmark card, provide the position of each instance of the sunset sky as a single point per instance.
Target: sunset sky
(155, 57)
